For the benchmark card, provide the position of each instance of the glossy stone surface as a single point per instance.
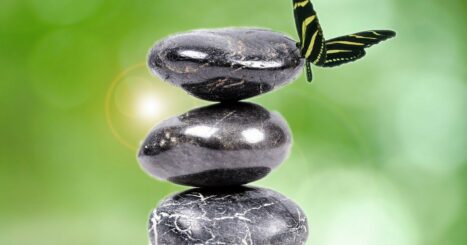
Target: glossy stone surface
(234, 216)
(218, 145)
(226, 64)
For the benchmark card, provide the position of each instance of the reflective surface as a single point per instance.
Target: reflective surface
(242, 215)
(227, 64)
(218, 145)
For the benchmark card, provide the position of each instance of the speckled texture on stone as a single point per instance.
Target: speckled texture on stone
(217, 145)
(227, 64)
(243, 216)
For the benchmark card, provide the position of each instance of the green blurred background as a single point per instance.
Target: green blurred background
(380, 153)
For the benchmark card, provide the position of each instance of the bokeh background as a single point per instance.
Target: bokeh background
(380, 154)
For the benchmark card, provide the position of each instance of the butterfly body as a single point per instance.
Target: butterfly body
(334, 52)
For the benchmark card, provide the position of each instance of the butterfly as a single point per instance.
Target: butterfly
(334, 52)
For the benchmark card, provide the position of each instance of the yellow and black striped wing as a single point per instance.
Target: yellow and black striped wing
(309, 30)
(352, 47)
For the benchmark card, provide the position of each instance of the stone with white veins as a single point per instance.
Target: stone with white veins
(218, 145)
(241, 215)
(227, 64)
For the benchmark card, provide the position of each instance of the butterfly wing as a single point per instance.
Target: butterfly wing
(352, 47)
(309, 30)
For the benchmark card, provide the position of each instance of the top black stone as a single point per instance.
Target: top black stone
(227, 64)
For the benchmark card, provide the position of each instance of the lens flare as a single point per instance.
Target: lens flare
(149, 106)
(136, 101)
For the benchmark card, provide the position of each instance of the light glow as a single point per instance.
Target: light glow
(149, 106)
(366, 222)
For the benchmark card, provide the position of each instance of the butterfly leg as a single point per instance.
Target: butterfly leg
(309, 73)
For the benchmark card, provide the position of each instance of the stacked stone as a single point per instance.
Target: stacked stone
(221, 147)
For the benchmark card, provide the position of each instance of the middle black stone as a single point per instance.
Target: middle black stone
(218, 145)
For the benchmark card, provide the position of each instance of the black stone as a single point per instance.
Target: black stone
(227, 64)
(218, 145)
(241, 215)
